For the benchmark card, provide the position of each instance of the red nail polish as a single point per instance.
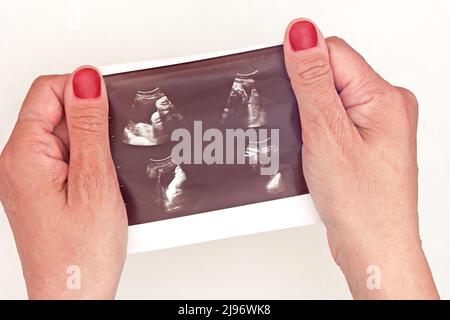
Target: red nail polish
(303, 35)
(86, 84)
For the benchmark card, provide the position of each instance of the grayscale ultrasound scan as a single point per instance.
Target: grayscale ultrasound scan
(235, 93)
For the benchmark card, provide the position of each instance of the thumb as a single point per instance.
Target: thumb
(309, 69)
(86, 108)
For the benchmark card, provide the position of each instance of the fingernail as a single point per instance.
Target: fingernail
(303, 35)
(86, 84)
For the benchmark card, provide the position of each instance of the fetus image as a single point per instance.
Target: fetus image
(256, 152)
(169, 180)
(243, 106)
(153, 117)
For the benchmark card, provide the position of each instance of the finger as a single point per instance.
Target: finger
(308, 66)
(371, 102)
(86, 105)
(354, 78)
(42, 108)
(41, 113)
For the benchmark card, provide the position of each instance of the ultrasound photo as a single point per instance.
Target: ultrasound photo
(232, 120)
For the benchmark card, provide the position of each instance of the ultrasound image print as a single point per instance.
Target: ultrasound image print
(152, 118)
(245, 90)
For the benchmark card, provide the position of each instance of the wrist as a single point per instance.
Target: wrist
(71, 283)
(381, 267)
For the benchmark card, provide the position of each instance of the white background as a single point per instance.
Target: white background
(408, 42)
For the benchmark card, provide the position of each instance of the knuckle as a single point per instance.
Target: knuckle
(408, 102)
(2, 163)
(409, 97)
(41, 81)
(7, 161)
(380, 98)
(8, 172)
(89, 119)
(334, 40)
(314, 72)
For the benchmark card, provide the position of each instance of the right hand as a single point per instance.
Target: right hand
(59, 188)
(360, 163)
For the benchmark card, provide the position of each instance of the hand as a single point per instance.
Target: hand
(360, 163)
(64, 203)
